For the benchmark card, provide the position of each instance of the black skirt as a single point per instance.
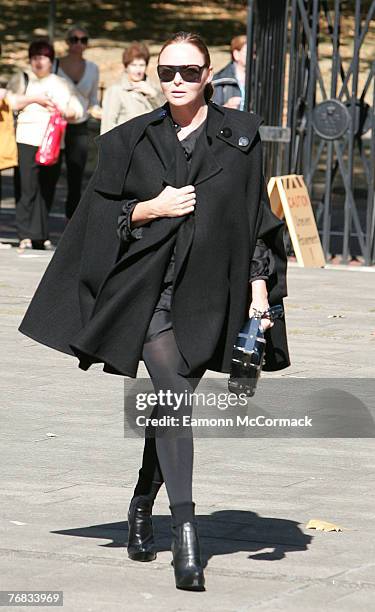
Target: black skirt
(161, 319)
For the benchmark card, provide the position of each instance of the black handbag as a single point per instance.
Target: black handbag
(248, 353)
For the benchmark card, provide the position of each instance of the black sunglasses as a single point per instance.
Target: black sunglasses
(76, 39)
(191, 73)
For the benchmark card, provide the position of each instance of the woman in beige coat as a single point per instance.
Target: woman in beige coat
(133, 94)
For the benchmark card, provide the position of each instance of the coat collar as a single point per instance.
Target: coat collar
(124, 82)
(163, 137)
(234, 128)
(237, 128)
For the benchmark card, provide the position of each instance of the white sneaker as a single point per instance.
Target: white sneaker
(48, 246)
(25, 244)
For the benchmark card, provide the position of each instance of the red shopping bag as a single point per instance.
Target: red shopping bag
(49, 151)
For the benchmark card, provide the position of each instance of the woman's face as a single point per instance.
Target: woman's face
(136, 70)
(77, 41)
(41, 65)
(179, 92)
(239, 56)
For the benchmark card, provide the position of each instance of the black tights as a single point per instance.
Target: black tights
(76, 152)
(168, 457)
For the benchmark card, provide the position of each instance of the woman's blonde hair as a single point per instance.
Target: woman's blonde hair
(74, 28)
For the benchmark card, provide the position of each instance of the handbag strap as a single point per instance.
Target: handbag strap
(16, 113)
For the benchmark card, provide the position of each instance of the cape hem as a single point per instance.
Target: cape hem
(86, 360)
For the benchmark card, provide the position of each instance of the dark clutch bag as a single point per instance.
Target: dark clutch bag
(248, 353)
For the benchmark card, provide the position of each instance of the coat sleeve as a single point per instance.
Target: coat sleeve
(93, 95)
(262, 263)
(124, 229)
(270, 229)
(69, 100)
(271, 232)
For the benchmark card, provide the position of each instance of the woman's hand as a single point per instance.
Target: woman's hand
(172, 202)
(68, 114)
(96, 111)
(256, 305)
(260, 302)
(45, 101)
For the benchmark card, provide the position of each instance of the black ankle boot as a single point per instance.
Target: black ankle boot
(141, 535)
(187, 562)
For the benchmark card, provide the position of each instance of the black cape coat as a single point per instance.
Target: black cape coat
(97, 295)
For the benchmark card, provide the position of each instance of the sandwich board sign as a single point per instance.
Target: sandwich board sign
(289, 197)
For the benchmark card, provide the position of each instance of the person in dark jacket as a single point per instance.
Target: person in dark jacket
(229, 82)
(171, 248)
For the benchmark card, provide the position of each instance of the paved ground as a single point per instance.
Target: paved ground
(64, 497)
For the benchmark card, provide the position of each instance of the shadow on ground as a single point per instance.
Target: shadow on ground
(222, 533)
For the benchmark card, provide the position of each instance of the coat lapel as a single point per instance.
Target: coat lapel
(203, 167)
(204, 164)
(116, 149)
(165, 142)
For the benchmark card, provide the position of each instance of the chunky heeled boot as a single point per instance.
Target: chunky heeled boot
(186, 562)
(141, 536)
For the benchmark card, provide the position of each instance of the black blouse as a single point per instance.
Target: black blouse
(262, 263)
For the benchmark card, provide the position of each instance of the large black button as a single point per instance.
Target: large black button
(226, 132)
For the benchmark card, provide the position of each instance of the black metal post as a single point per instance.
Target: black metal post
(352, 130)
(330, 148)
(370, 220)
(249, 55)
(311, 91)
(51, 20)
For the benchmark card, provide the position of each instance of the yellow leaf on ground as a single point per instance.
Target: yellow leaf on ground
(322, 525)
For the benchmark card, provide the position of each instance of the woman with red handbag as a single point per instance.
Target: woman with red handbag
(44, 94)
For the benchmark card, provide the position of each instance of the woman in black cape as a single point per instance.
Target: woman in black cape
(171, 248)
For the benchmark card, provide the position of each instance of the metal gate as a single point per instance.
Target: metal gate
(324, 125)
